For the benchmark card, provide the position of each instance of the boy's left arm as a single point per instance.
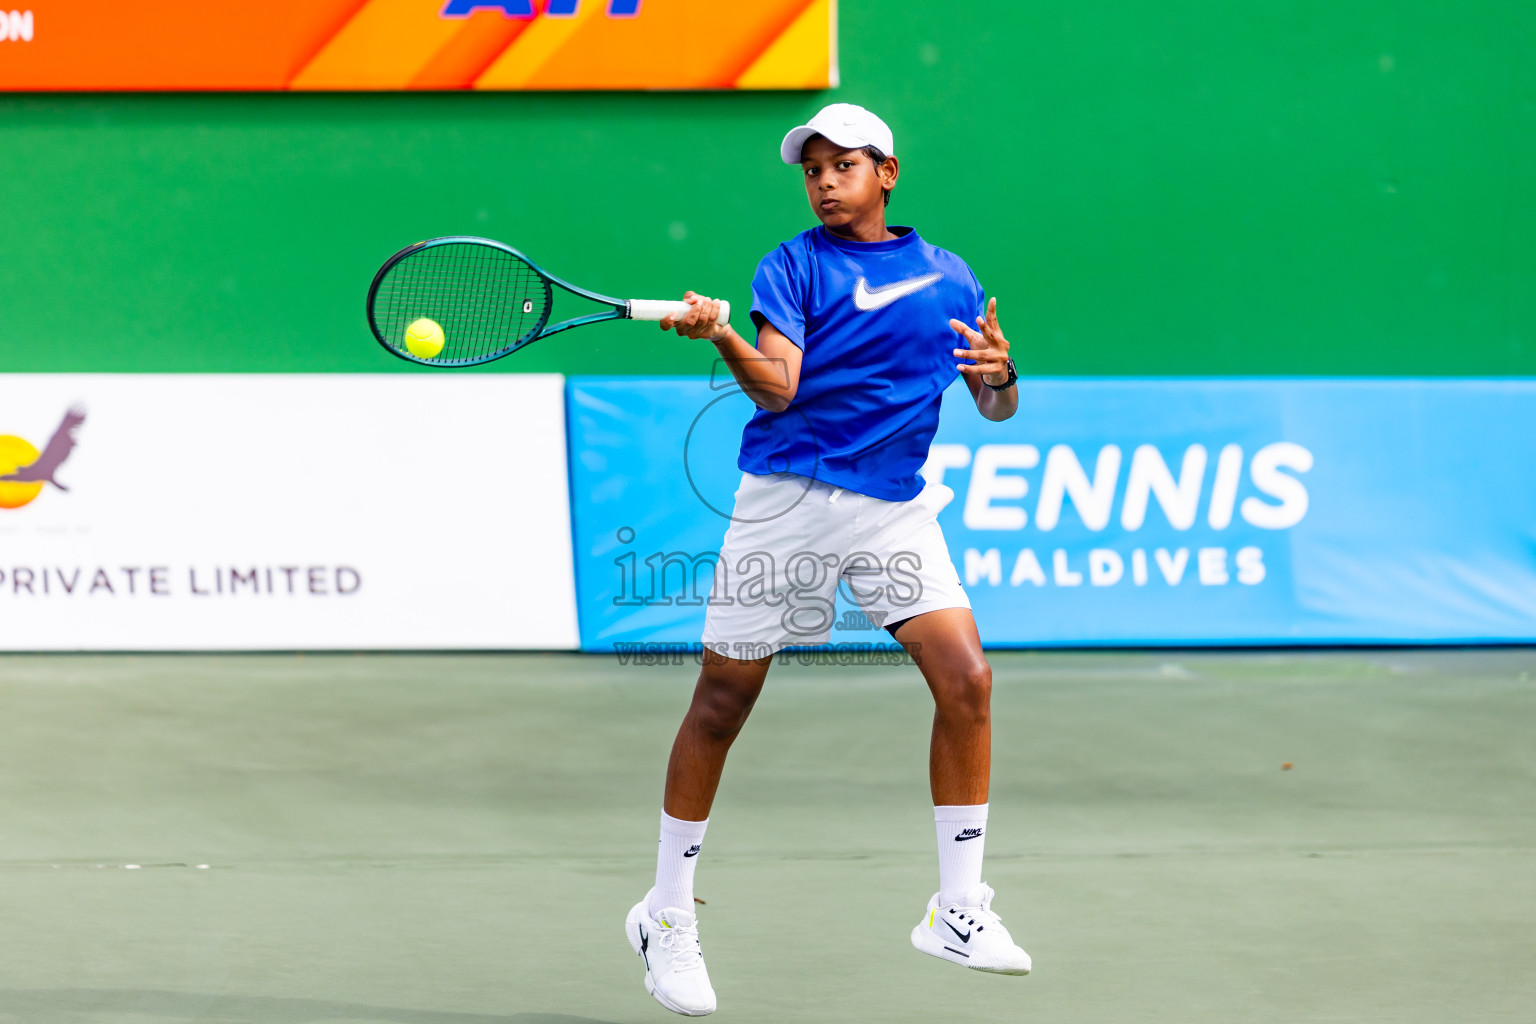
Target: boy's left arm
(989, 349)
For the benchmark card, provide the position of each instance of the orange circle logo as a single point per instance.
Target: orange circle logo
(16, 452)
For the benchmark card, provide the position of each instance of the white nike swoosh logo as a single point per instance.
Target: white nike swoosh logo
(866, 299)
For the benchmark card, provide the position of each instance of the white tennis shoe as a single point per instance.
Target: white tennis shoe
(968, 933)
(674, 962)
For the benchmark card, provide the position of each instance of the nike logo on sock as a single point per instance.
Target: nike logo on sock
(968, 833)
(870, 299)
(964, 936)
(693, 851)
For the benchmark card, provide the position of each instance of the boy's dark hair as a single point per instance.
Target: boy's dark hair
(877, 157)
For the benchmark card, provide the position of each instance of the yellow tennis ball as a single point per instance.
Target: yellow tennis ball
(424, 339)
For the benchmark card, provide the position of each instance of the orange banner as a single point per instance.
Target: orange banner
(108, 45)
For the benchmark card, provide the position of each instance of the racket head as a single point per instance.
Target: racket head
(488, 298)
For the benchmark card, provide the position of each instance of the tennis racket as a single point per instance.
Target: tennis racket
(489, 299)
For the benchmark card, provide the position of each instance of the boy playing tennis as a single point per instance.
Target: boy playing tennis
(856, 324)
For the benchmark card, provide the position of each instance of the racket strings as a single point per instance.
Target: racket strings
(486, 300)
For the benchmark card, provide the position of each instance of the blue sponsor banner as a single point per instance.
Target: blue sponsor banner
(1119, 512)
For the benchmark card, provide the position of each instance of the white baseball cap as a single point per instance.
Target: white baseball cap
(844, 124)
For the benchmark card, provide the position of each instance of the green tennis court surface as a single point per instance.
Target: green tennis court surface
(456, 840)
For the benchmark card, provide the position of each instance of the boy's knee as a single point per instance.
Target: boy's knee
(966, 692)
(721, 711)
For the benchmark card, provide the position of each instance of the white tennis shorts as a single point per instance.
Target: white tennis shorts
(794, 543)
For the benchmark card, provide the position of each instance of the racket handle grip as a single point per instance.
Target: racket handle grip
(657, 309)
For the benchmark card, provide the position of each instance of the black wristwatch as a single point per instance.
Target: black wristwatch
(1013, 378)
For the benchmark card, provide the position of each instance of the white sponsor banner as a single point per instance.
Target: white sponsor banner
(254, 511)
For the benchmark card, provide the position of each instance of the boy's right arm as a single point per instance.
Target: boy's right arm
(769, 373)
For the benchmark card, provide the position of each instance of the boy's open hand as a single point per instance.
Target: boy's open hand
(988, 348)
(700, 322)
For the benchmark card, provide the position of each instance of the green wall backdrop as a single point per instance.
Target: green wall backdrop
(1190, 187)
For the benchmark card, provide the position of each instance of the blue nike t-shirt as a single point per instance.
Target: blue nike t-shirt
(872, 319)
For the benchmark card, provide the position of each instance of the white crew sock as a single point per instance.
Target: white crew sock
(675, 861)
(962, 834)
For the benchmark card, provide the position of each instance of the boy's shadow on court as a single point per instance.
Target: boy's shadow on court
(48, 1004)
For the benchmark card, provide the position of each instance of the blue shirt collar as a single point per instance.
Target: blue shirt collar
(905, 236)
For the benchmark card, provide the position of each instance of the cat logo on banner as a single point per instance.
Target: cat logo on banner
(24, 470)
(420, 44)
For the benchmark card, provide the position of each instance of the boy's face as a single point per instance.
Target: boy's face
(843, 185)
